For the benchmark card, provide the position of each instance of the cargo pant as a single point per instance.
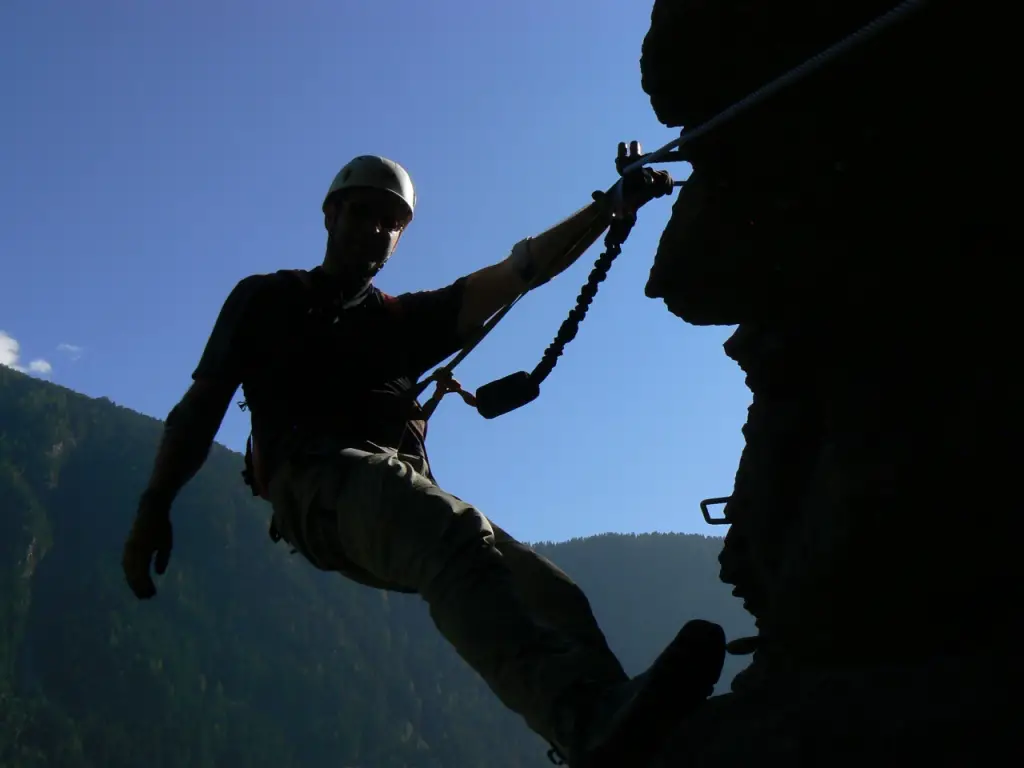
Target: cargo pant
(376, 517)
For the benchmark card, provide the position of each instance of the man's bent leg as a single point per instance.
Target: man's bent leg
(375, 513)
(551, 597)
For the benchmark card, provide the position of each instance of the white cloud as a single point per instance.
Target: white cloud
(10, 354)
(9, 349)
(71, 350)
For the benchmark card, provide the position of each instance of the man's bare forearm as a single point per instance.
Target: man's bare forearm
(189, 432)
(556, 249)
(543, 256)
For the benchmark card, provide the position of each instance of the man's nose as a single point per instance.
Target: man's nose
(371, 226)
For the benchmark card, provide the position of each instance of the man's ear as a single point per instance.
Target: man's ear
(330, 214)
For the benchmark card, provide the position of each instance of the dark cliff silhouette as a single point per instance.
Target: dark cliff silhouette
(855, 229)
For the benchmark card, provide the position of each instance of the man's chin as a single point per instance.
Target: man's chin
(366, 271)
(355, 279)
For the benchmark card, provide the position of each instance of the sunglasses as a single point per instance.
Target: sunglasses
(376, 212)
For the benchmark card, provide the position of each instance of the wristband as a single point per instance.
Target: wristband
(521, 259)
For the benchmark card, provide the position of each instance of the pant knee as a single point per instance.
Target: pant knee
(464, 554)
(405, 529)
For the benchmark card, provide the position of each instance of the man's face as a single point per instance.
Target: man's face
(363, 228)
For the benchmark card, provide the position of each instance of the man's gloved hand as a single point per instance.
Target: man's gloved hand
(151, 537)
(642, 185)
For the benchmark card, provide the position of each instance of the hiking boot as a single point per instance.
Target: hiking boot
(626, 724)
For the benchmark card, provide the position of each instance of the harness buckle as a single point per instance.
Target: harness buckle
(445, 383)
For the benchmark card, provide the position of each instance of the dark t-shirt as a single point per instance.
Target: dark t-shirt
(313, 368)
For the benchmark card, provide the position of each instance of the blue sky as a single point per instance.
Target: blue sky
(153, 154)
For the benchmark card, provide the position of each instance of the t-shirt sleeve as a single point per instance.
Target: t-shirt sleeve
(430, 325)
(229, 348)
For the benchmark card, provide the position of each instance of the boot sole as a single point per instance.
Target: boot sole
(678, 682)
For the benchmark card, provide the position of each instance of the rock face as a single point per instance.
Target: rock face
(855, 229)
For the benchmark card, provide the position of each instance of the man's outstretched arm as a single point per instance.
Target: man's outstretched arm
(537, 259)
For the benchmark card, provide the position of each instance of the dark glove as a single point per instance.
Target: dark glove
(149, 541)
(642, 185)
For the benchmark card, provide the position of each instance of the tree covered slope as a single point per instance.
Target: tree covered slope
(249, 656)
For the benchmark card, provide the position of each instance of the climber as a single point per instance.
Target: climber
(326, 362)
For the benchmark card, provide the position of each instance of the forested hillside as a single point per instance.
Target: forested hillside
(249, 656)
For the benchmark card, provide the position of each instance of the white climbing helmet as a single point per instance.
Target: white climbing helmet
(376, 172)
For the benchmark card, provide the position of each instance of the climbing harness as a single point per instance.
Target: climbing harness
(516, 390)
